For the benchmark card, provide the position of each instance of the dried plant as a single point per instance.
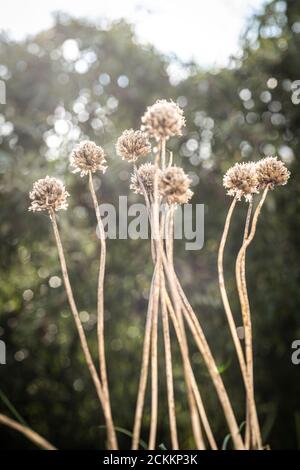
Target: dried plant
(48, 194)
(27, 432)
(270, 173)
(132, 145)
(174, 186)
(240, 180)
(88, 158)
(162, 182)
(163, 119)
(169, 183)
(143, 179)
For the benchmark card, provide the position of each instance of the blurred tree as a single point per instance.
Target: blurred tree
(80, 80)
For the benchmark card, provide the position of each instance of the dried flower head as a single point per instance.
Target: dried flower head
(241, 180)
(145, 174)
(48, 194)
(174, 185)
(271, 172)
(86, 157)
(163, 120)
(132, 145)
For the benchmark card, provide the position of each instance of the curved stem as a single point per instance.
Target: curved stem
(169, 370)
(196, 426)
(100, 316)
(205, 352)
(154, 361)
(245, 306)
(241, 271)
(144, 372)
(80, 330)
(198, 398)
(27, 432)
(231, 322)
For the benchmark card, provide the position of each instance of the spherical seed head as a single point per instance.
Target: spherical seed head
(145, 175)
(271, 172)
(86, 157)
(241, 180)
(48, 194)
(132, 145)
(174, 185)
(163, 119)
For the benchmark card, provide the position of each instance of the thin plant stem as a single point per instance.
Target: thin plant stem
(231, 322)
(198, 398)
(247, 327)
(80, 330)
(244, 301)
(157, 226)
(154, 361)
(197, 432)
(205, 352)
(144, 372)
(27, 432)
(169, 370)
(100, 314)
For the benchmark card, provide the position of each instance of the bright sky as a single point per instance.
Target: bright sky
(206, 30)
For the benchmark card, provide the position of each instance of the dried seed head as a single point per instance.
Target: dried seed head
(48, 194)
(241, 180)
(132, 145)
(271, 172)
(174, 185)
(163, 120)
(145, 175)
(87, 156)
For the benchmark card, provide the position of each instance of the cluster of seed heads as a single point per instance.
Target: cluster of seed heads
(246, 179)
(160, 121)
(132, 145)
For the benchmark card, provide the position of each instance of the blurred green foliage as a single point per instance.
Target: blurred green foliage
(80, 80)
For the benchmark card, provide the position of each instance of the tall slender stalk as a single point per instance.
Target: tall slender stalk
(208, 359)
(144, 372)
(80, 330)
(155, 304)
(154, 361)
(100, 312)
(181, 336)
(247, 328)
(169, 370)
(199, 402)
(232, 325)
(243, 296)
(205, 352)
(27, 432)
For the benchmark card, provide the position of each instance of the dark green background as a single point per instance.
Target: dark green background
(45, 376)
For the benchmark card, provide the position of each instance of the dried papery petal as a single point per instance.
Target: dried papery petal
(132, 145)
(163, 119)
(241, 180)
(271, 172)
(174, 185)
(145, 175)
(48, 194)
(86, 157)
